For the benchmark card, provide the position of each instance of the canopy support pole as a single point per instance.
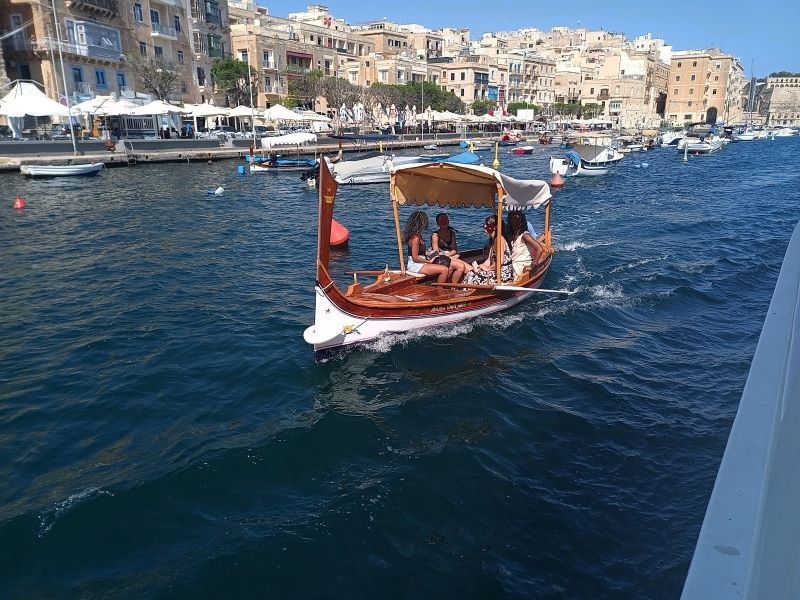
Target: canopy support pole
(547, 215)
(498, 242)
(399, 236)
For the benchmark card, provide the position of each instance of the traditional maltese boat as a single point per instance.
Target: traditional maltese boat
(585, 159)
(398, 301)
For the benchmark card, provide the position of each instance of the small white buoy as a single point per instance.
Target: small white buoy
(218, 191)
(311, 182)
(645, 165)
(637, 166)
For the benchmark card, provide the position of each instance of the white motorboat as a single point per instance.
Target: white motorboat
(744, 136)
(585, 160)
(61, 170)
(705, 145)
(671, 138)
(372, 167)
(784, 132)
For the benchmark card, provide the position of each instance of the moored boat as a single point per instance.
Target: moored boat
(61, 170)
(522, 150)
(585, 160)
(400, 301)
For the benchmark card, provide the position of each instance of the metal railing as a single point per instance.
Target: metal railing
(89, 50)
(165, 30)
(106, 5)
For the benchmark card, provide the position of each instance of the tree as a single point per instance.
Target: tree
(231, 76)
(338, 91)
(591, 109)
(156, 75)
(304, 87)
(481, 107)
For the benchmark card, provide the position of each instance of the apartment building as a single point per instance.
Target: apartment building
(704, 86)
(467, 77)
(385, 37)
(209, 32)
(455, 41)
(281, 49)
(783, 94)
(161, 29)
(95, 37)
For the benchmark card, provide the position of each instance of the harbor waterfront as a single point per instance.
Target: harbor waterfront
(166, 432)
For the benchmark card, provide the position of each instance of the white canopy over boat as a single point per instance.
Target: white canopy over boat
(25, 98)
(291, 139)
(460, 186)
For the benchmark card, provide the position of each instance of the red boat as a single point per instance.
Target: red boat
(522, 150)
(397, 300)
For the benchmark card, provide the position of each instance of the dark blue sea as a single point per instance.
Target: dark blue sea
(165, 432)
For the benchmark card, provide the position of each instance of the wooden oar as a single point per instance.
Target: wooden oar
(502, 288)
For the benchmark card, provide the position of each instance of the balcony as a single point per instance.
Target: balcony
(159, 30)
(213, 16)
(268, 66)
(216, 52)
(16, 46)
(100, 54)
(106, 8)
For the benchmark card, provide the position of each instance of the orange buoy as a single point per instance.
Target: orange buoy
(339, 234)
(557, 181)
(19, 202)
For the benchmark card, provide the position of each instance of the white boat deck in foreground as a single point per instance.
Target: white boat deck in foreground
(749, 544)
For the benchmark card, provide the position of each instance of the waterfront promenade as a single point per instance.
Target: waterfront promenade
(128, 152)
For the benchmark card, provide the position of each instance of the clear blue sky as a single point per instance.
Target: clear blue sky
(766, 33)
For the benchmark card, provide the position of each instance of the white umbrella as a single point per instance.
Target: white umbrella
(27, 99)
(115, 109)
(158, 107)
(210, 110)
(90, 107)
(242, 111)
(281, 113)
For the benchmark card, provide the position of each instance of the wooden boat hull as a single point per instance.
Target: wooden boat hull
(340, 321)
(61, 170)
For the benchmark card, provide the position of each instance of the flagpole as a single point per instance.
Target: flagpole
(64, 81)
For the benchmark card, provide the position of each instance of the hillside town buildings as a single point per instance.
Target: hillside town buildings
(565, 72)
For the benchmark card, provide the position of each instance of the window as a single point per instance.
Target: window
(158, 51)
(179, 56)
(716, 77)
(244, 56)
(689, 103)
(100, 79)
(714, 92)
(694, 63)
(693, 78)
(137, 13)
(463, 76)
(120, 80)
(676, 91)
(462, 91)
(177, 24)
(267, 58)
(687, 117)
(452, 76)
(201, 76)
(677, 77)
(184, 88)
(691, 91)
(719, 66)
(155, 18)
(268, 83)
(142, 48)
(591, 91)
(77, 76)
(679, 64)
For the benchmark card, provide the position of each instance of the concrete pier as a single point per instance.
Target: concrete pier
(130, 152)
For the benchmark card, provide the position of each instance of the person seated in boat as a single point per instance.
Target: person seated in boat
(485, 273)
(443, 242)
(418, 261)
(273, 158)
(525, 249)
(444, 238)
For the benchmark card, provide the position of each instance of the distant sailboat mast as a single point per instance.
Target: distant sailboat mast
(64, 80)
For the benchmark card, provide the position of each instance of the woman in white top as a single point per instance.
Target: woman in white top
(418, 262)
(525, 250)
